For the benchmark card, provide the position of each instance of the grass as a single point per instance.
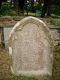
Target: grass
(56, 63)
(55, 22)
(29, 13)
(55, 15)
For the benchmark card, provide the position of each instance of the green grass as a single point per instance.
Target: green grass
(29, 14)
(55, 16)
(55, 23)
(56, 63)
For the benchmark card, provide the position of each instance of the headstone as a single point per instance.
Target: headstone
(55, 36)
(6, 31)
(30, 47)
(1, 36)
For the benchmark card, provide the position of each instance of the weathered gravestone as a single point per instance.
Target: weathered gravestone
(30, 47)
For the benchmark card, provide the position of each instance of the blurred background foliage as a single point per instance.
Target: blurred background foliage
(30, 7)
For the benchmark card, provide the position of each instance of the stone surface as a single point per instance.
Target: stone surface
(0, 38)
(30, 47)
(55, 36)
(6, 35)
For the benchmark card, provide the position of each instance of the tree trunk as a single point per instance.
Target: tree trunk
(32, 5)
(14, 3)
(0, 4)
(19, 4)
(11, 2)
(46, 8)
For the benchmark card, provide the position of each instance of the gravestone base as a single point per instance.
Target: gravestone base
(32, 72)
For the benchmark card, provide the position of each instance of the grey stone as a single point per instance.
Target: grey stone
(30, 48)
(0, 38)
(6, 31)
(55, 36)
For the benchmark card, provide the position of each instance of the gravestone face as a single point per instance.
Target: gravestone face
(30, 47)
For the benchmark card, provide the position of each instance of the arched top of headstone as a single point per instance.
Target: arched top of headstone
(33, 20)
(27, 20)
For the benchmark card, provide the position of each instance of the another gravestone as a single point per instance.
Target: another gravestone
(6, 31)
(30, 47)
